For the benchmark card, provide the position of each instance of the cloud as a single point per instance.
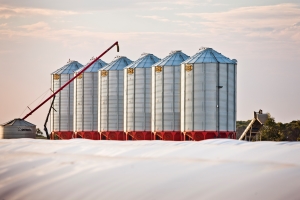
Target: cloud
(272, 21)
(246, 12)
(188, 3)
(36, 27)
(77, 35)
(8, 12)
(161, 8)
(155, 17)
(263, 22)
(158, 18)
(297, 24)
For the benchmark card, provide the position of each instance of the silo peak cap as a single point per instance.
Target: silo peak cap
(98, 64)
(175, 58)
(208, 55)
(145, 61)
(69, 68)
(69, 61)
(17, 122)
(174, 51)
(203, 48)
(119, 63)
(117, 57)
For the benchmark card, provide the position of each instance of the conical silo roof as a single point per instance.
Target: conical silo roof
(119, 63)
(208, 55)
(17, 122)
(94, 67)
(173, 59)
(145, 61)
(69, 68)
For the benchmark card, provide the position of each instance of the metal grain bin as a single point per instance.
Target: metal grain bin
(62, 116)
(86, 101)
(17, 128)
(137, 98)
(208, 96)
(110, 108)
(165, 122)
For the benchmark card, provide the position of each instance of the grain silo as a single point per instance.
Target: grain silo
(208, 100)
(165, 122)
(62, 116)
(17, 128)
(137, 98)
(86, 102)
(111, 96)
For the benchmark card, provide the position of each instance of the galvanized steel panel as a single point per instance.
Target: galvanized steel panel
(189, 79)
(167, 93)
(62, 120)
(136, 103)
(86, 99)
(231, 97)
(223, 97)
(111, 96)
(200, 95)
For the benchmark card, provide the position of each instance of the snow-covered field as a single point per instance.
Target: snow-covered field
(86, 169)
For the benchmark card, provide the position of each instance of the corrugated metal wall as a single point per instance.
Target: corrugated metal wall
(62, 119)
(166, 93)
(86, 102)
(137, 105)
(111, 99)
(208, 100)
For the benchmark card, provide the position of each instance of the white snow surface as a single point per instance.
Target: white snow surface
(87, 169)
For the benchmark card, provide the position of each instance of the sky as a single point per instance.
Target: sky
(38, 37)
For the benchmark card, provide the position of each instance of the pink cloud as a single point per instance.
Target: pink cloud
(257, 21)
(36, 27)
(155, 17)
(8, 12)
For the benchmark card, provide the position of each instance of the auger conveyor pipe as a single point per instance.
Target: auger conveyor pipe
(60, 89)
(247, 129)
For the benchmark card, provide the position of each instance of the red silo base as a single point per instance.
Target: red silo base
(169, 135)
(203, 135)
(113, 135)
(62, 135)
(92, 135)
(228, 134)
(140, 135)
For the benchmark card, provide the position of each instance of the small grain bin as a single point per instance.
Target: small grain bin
(111, 99)
(62, 116)
(137, 98)
(165, 122)
(17, 128)
(86, 101)
(208, 96)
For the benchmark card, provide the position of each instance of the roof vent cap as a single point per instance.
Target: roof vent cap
(69, 61)
(203, 48)
(174, 51)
